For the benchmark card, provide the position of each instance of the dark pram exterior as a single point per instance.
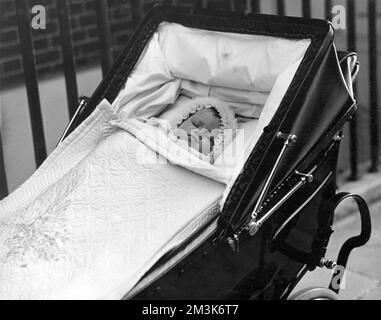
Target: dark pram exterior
(277, 220)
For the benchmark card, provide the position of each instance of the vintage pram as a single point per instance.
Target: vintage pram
(277, 219)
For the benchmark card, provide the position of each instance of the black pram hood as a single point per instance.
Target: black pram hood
(314, 109)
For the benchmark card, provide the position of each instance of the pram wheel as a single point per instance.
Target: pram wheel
(314, 294)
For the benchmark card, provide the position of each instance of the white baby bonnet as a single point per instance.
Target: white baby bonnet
(185, 108)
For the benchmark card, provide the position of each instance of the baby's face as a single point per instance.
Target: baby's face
(203, 119)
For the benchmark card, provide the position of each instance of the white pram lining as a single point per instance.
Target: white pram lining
(251, 73)
(245, 70)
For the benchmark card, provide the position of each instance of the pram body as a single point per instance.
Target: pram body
(277, 219)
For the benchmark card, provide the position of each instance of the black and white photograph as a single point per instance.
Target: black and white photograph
(189, 156)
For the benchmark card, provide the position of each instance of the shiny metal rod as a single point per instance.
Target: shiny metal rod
(254, 226)
(289, 138)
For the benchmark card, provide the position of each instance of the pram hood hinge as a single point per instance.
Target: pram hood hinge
(255, 224)
(289, 139)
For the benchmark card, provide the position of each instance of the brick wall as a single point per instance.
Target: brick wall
(46, 42)
(47, 48)
(9, 50)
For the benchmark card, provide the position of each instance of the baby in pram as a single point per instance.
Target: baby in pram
(205, 124)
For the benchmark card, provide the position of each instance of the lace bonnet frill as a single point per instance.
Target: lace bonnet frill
(223, 134)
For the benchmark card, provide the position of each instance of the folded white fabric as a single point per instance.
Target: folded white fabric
(230, 60)
(236, 68)
(157, 136)
(68, 154)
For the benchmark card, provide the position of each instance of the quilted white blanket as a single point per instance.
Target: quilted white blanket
(92, 220)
